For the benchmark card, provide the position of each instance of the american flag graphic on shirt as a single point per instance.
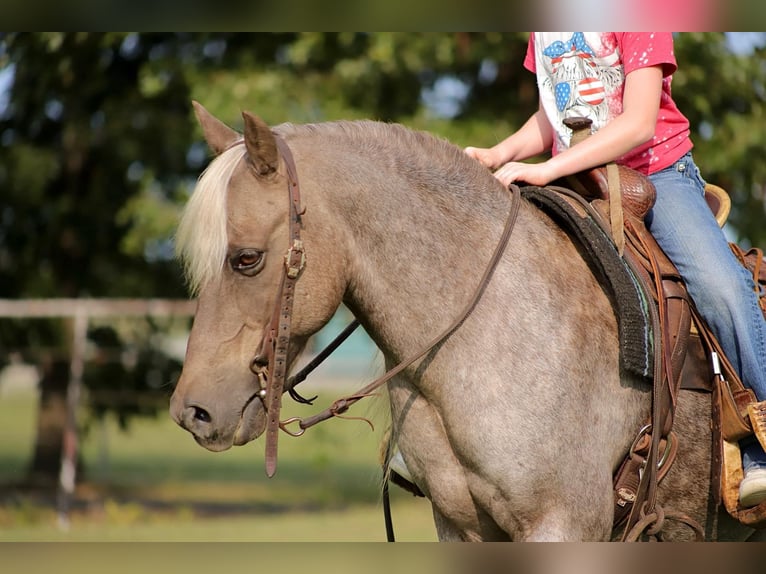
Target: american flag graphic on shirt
(582, 74)
(591, 91)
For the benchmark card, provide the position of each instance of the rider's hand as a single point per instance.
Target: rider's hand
(485, 156)
(531, 173)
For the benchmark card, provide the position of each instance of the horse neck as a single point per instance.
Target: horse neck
(417, 235)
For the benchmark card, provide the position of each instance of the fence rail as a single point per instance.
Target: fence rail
(49, 308)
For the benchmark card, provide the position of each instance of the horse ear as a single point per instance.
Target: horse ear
(218, 135)
(261, 145)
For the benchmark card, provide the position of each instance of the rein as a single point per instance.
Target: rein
(341, 405)
(271, 361)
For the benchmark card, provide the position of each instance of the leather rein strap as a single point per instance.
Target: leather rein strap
(271, 362)
(342, 405)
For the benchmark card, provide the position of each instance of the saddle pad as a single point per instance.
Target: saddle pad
(621, 286)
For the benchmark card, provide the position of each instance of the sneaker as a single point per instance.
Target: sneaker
(752, 489)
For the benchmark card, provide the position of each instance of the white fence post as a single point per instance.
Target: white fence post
(68, 474)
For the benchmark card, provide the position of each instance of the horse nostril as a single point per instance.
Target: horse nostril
(201, 415)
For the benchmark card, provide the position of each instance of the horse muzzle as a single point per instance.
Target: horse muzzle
(214, 430)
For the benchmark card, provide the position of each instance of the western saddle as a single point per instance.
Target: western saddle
(687, 354)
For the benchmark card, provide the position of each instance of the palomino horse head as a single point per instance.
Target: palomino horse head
(232, 240)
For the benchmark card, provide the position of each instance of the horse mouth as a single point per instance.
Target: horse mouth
(252, 422)
(213, 444)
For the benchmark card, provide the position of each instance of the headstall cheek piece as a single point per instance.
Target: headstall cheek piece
(270, 362)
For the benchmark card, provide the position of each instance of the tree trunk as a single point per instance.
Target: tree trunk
(51, 422)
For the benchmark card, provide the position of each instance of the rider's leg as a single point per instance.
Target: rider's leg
(722, 290)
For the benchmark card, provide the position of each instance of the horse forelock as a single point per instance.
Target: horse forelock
(201, 239)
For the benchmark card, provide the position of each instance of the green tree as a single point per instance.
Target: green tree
(723, 93)
(93, 154)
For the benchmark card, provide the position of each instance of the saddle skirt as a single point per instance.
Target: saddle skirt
(631, 302)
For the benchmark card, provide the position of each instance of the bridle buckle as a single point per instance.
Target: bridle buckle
(295, 259)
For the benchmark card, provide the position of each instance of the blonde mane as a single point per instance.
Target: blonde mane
(201, 240)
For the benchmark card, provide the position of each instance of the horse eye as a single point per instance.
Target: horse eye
(247, 261)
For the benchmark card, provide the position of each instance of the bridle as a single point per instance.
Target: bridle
(271, 361)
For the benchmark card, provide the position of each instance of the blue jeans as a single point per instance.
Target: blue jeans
(721, 288)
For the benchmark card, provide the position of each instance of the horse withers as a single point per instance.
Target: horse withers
(514, 423)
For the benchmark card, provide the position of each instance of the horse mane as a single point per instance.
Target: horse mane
(428, 162)
(431, 163)
(201, 240)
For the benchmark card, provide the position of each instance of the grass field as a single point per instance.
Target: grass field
(155, 483)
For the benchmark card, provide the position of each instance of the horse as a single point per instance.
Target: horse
(513, 424)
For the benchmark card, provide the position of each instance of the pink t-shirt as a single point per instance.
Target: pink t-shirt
(583, 74)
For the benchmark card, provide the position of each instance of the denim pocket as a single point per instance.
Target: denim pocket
(688, 169)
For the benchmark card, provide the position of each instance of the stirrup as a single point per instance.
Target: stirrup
(757, 414)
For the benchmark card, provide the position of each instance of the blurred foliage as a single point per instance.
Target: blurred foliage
(724, 96)
(93, 121)
(128, 373)
(99, 148)
(472, 89)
